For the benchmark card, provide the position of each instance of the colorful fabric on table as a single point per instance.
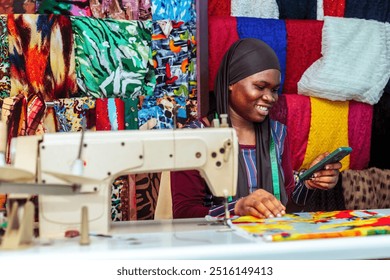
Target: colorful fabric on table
(368, 9)
(304, 39)
(71, 113)
(5, 83)
(348, 69)
(219, 42)
(183, 10)
(328, 129)
(65, 7)
(366, 189)
(131, 113)
(297, 9)
(174, 58)
(255, 9)
(110, 114)
(271, 31)
(219, 7)
(113, 57)
(360, 126)
(334, 8)
(41, 56)
(314, 225)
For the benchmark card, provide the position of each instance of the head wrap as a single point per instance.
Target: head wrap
(245, 58)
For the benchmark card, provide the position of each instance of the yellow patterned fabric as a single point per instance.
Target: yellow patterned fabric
(328, 129)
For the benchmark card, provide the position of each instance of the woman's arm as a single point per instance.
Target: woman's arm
(188, 194)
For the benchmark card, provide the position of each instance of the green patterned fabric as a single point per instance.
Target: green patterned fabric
(113, 57)
(5, 83)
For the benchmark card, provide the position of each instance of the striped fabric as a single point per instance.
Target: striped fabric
(278, 131)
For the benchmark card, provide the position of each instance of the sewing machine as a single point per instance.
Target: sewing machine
(75, 170)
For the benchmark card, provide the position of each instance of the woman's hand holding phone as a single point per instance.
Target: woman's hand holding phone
(324, 171)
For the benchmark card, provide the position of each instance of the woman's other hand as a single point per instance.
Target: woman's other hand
(260, 204)
(326, 178)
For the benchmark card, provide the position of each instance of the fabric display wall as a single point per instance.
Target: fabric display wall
(103, 65)
(335, 61)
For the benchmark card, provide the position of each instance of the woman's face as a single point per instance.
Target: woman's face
(251, 98)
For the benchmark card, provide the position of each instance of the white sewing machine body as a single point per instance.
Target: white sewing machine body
(109, 154)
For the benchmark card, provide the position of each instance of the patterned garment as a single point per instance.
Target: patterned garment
(41, 56)
(14, 113)
(174, 58)
(5, 84)
(156, 113)
(113, 58)
(17, 6)
(110, 114)
(366, 189)
(314, 225)
(125, 9)
(131, 113)
(65, 7)
(35, 114)
(71, 113)
(120, 199)
(148, 185)
(183, 10)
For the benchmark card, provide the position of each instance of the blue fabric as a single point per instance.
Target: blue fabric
(368, 9)
(297, 9)
(271, 31)
(183, 10)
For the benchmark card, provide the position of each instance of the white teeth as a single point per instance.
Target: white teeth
(262, 108)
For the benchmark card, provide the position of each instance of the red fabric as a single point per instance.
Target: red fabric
(334, 8)
(298, 126)
(222, 34)
(103, 121)
(219, 8)
(359, 134)
(304, 39)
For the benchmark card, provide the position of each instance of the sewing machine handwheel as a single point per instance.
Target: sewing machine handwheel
(9, 173)
(73, 179)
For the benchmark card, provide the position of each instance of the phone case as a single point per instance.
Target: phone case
(334, 156)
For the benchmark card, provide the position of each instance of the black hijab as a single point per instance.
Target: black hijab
(245, 58)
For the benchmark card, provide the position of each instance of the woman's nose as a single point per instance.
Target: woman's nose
(269, 96)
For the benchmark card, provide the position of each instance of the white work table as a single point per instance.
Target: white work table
(198, 239)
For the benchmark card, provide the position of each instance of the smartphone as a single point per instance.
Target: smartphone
(334, 156)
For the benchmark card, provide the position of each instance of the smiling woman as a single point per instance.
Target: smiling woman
(246, 88)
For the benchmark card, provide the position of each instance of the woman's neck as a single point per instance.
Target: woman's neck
(245, 131)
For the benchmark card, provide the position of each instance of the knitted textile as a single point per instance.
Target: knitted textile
(328, 129)
(348, 69)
